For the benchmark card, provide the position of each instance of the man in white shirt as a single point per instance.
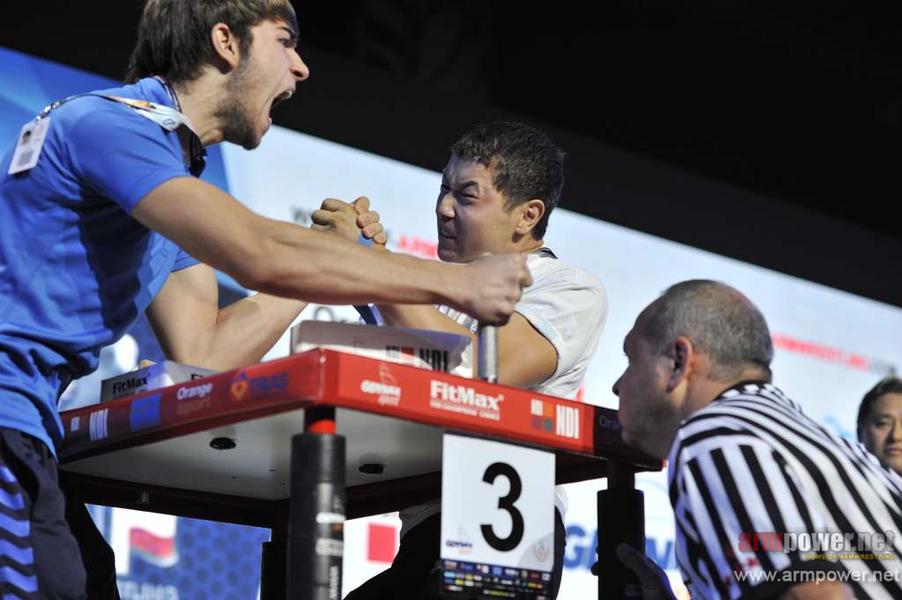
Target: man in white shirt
(498, 189)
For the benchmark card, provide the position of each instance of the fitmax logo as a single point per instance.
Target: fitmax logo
(128, 385)
(463, 394)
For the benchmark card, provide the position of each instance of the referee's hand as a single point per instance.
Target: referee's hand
(653, 579)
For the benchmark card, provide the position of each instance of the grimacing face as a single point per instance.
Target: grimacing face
(470, 213)
(881, 430)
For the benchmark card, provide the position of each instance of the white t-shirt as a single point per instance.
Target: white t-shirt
(568, 306)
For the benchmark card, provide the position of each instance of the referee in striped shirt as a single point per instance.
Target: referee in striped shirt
(757, 487)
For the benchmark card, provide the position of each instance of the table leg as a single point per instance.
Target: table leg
(621, 518)
(317, 510)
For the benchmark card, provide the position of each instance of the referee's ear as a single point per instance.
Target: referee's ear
(681, 353)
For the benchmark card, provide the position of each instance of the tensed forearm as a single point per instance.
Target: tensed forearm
(420, 317)
(319, 267)
(247, 329)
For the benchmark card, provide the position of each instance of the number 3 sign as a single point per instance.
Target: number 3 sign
(497, 504)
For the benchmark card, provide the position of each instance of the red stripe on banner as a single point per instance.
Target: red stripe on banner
(821, 352)
(154, 545)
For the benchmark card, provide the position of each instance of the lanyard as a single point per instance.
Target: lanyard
(166, 117)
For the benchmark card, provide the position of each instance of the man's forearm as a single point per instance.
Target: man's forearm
(338, 272)
(191, 328)
(247, 329)
(420, 317)
(286, 260)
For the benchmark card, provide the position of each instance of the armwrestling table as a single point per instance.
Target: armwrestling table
(219, 448)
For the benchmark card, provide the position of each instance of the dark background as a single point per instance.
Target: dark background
(763, 130)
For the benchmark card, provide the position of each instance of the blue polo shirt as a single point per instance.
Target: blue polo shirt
(76, 270)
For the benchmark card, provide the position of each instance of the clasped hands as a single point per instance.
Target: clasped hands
(350, 220)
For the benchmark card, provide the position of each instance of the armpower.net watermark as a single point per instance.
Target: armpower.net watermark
(860, 545)
(815, 576)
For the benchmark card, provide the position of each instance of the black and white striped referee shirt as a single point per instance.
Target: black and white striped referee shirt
(751, 467)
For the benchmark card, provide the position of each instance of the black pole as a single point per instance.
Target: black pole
(272, 570)
(274, 559)
(317, 513)
(621, 519)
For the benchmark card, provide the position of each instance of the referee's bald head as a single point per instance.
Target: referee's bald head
(718, 319)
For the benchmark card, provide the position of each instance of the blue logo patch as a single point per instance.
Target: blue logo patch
(145, 412)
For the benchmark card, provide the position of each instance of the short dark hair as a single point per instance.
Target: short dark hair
(525, 163)
(719, 320)
(174, 35)
(888, 385)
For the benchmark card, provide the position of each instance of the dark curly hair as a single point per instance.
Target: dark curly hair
(524, 161)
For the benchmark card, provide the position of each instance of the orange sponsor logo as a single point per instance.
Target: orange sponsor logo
(239, 387)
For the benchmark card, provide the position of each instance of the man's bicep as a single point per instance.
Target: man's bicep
(569, 314)
(184, 314)
(207, 223)
(186, 209)
(525, 356)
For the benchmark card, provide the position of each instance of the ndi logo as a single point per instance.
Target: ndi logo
(567, 421)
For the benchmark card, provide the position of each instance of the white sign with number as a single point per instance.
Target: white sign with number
(497, 504)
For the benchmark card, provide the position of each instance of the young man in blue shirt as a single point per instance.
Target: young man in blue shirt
(101, 219)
